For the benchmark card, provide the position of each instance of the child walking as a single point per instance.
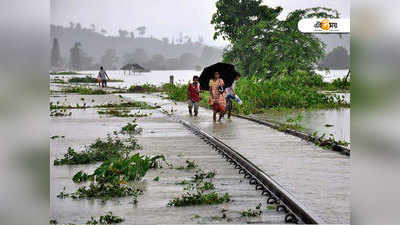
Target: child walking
(194, 96)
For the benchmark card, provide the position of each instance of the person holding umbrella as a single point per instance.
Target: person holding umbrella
(217, 96)
(215, 78)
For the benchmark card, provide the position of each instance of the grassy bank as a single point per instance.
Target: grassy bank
(297, 91)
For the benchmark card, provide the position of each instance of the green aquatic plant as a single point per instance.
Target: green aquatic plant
(121, 170)
(99, 151)
(105, 191)
(59, 113)
(133, 104)
(253, 212)
(189, 165)
(131, 129)
(197, 191)
(177, 92)
(122, 113)
(83, 90)
(145, 88)
(89, 79)
(109, 218)
(199, 198)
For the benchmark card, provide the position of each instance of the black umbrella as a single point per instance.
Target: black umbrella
(226, 71)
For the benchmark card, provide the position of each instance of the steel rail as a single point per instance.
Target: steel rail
(338, 148)
(295, 211)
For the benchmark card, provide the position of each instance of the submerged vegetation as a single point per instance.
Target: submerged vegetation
(131, 129)
(122, 113)
(253, 212)
(59, 113)
(99, 151)
(121, 170)
(84, 90)
(145, 88)
(120, 173)
(133, 104)
(198, 191)
(301, 90)
(189, 165)
(88, 79)
(109, 218)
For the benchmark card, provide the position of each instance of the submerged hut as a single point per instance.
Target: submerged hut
(134, 68)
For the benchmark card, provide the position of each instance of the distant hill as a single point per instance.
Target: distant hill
(116, 51)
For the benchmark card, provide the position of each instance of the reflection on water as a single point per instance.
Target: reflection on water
(328, 121)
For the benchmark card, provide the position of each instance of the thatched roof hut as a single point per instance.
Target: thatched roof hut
(134, 68)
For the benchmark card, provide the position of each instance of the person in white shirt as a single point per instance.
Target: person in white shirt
(230, 95)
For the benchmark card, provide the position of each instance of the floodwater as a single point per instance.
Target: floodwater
(325, 121)
(180, 76)
(161, 135)
(331, 75)
(318, 178)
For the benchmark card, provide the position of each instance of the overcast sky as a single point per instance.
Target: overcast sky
(163, 18)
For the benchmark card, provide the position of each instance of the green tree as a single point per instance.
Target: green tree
(263, 45)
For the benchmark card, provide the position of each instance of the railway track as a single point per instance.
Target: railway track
(338, 148)
(295, 211)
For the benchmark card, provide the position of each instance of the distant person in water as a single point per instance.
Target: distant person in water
(217, 96)
(104, 77)
(231, 95)
(194, 96)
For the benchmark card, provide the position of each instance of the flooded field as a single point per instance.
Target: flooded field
(160, 135)
(326, 121)
(180, 76)
(318, 178)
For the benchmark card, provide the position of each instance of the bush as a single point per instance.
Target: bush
(293, 92)
(341, 84)
(145, 88)
(177, 92)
